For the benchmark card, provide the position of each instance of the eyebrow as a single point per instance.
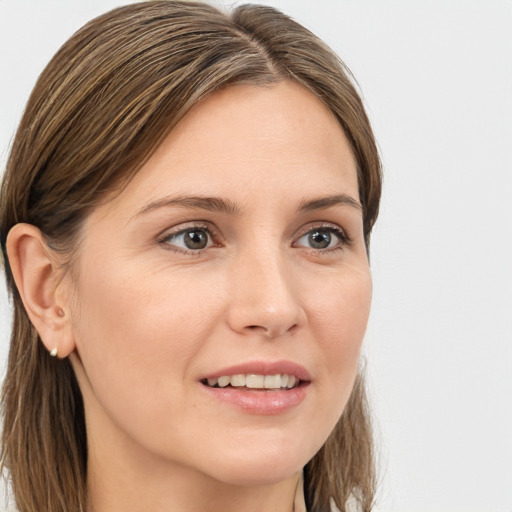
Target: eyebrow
(217, 204)
(326, 202)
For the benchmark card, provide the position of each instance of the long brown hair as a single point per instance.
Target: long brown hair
(97, 112)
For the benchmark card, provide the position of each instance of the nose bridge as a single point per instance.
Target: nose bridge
(264, 298)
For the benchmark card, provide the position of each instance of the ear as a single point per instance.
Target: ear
(38, 278)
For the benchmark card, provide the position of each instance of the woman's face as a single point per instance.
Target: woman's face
(235, 256)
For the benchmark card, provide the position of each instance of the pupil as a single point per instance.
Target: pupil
(320, 239)
(196, 239)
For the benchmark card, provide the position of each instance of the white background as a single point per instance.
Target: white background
(437, 79)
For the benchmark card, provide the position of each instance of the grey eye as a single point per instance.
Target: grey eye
(190, 239)
(195, 239)
(321, 238)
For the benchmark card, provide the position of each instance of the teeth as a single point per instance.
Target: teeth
(224, 381)
(238, 380)
(272, 382)
(254, 381)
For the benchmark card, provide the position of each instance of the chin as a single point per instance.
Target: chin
(260, 467)
(272, 472)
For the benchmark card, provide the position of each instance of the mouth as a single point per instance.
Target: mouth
(254, 382)
(259, 387)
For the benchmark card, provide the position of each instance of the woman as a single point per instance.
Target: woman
(185, 221)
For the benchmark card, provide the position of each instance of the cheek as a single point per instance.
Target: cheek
(133, 333)
(341, 309)
(337, 318)
(130, 305)
(341, 318)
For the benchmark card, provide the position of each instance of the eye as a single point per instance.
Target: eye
(190, 239)
(322, 238)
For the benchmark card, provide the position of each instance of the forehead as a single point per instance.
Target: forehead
(250, 140)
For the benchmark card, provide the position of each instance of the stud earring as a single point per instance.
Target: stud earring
(53, 352)
(60, 312)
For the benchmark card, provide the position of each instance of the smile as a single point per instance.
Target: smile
(259, 387)
(254, 381)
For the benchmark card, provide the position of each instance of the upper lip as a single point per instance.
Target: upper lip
(263, 368)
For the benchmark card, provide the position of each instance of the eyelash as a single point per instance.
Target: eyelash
(167, 236)
(344, 239)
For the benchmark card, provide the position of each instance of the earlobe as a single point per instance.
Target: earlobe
(37, 277)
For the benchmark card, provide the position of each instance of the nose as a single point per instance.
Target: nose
(264, 299)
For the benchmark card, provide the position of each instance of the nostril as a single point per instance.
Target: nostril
(271, 332)
(257, 328)
(293, 328)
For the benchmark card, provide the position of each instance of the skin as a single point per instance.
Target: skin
(145, 318)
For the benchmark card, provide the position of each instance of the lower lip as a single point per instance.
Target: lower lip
(260, 402)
